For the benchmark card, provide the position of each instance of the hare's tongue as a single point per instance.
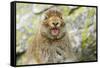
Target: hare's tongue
(55, 31)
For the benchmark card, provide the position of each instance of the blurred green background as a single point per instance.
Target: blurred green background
(80, 22)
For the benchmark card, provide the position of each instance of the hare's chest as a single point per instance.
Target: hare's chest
(54, 53)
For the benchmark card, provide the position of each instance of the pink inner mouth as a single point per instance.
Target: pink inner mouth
(55, 31)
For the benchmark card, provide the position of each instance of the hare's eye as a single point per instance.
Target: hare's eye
(61, 17)
(45, 17)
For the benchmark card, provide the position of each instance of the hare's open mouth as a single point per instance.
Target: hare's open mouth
(55, 31)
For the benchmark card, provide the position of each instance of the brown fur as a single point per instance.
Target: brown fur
(46, 48)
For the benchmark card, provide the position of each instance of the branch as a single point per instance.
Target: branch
(44, 10)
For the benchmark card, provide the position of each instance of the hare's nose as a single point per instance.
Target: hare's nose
(55, 23)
